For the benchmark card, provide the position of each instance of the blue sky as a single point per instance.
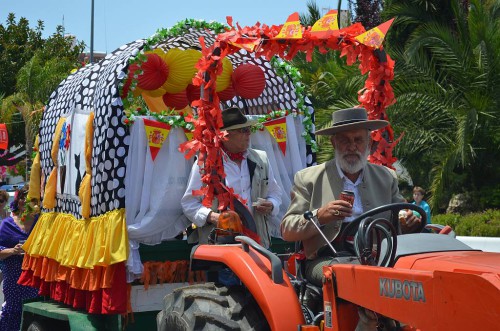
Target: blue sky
(119, 22)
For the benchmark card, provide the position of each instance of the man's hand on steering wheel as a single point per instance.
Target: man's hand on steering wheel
(410, 223)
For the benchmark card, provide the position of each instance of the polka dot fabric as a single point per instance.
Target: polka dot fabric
(94, 88)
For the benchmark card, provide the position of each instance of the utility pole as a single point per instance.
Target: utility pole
(92, 32)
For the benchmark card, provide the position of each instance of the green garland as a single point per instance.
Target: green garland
(172, 118)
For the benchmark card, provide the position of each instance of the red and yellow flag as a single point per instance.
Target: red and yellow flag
(156, 134)
(189, 134)
(375, 37)
(277, 129)
(291, 29)
(325, 26)
(4, 137)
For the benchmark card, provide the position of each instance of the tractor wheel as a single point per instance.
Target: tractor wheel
(211, 307)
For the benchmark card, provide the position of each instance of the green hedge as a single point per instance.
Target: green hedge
(485, 224)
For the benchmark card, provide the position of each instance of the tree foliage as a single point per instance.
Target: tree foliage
(367, 12)
(35, 67)
(447, 85)
(18, 43)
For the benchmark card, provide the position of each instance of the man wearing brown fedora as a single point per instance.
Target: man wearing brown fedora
(318, 188)
(247, 172)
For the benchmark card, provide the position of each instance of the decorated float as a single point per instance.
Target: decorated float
(118, 139)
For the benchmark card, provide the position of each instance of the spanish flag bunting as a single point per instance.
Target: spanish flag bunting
(375, 37)
(4, 137)
(189, 134)
(156, 134)
(277, 129)
(291, 29)
(325, 26)
(246, 43)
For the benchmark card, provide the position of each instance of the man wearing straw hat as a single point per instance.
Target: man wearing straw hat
(317, 188)
(247, 172)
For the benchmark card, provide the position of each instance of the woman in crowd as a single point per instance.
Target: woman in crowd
(4, 198)
(14, 230)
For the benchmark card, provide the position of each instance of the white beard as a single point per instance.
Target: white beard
(352, 167)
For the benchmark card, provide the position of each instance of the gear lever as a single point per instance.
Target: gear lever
(308, 215)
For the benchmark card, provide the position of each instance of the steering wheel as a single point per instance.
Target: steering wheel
(394, 208)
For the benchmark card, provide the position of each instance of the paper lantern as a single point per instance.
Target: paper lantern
(192, 93)
(182, 68)
(176, 100)
(224, 79)
(226, 94)
(154, 72)
(248, 81)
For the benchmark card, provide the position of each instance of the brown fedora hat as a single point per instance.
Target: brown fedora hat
(233, 119)
(351, 119)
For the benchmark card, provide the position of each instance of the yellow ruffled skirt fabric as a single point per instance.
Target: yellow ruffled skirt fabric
(81, 243)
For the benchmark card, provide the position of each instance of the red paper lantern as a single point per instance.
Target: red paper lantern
(226, 94)
(176, 100)
(192, 93)
(155, 73)
(248, 81)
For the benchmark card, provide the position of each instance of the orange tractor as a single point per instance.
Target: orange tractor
(420, 281)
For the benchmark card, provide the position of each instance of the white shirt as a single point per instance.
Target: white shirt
(357, 208)
(238, 178)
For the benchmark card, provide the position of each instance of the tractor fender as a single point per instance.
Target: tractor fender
(277, 299)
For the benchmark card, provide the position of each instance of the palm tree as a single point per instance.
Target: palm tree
(447, 86)
(330, 83)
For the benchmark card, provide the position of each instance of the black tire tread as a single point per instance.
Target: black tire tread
(211, 307)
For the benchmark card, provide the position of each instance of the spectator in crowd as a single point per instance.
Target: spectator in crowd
(14, 230)
(4, 199)
(418, 197)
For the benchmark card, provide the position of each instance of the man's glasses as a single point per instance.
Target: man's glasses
(243, 130)
(2, 201)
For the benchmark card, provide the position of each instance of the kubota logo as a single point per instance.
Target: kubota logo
(397, 289)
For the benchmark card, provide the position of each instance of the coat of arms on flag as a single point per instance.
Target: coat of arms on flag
(156, 134)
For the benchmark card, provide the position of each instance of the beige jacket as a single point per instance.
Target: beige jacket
(315, 186)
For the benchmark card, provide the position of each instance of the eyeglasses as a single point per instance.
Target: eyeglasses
(246, 129)
(2, 201)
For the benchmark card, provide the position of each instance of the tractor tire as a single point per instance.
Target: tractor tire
(211, 307)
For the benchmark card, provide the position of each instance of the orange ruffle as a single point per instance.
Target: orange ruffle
(102, 290)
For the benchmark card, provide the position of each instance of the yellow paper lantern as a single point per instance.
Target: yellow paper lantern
(182, 68)
(224, 79)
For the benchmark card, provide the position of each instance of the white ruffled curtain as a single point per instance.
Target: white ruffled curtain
(153, 190)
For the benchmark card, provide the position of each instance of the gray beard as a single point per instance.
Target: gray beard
(353, 167)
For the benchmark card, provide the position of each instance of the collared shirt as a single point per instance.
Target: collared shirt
(238, 178)
(357, 208)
